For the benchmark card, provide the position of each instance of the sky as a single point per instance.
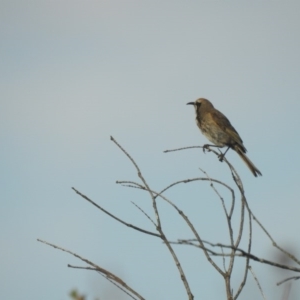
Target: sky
(74, 73)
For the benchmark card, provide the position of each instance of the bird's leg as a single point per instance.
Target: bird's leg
(221, 156)
(205, 147)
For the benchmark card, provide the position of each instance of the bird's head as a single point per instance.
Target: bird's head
(201, 102)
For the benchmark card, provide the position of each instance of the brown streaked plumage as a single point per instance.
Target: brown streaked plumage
(218, 130)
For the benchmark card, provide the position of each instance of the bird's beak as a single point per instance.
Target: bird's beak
(191, 103)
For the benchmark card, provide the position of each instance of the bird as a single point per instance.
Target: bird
(218, 130)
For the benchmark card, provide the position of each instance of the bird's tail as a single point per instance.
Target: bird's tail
(248, 162)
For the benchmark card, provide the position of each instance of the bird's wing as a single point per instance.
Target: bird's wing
(222, 122)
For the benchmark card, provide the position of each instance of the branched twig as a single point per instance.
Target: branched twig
(228, 216)
(247, 257)
(233, 248)
(191, 227)
(158, 225)
(114, 283)
(242, 253)
(235, 244)
(291, 256)
(144, 182)
(233, 171)
(107, 274)
(114, 217)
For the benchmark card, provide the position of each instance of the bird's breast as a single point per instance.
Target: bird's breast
(212, 132)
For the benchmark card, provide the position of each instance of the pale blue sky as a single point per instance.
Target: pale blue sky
(75, 72)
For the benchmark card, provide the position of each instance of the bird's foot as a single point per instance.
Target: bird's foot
(205, 147)
(221, 157)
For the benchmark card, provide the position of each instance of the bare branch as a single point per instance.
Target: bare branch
(114, 217)
(158, 226)
(184, 148)
(191, 227)
(114, 283)
(106, 273)
(144, 182)
(242, 253)
(228, 217)
(287, 279)
(257, 282)
(209, 149)
(244, 203)
(247, 258)
(228, 256)
(291, 256)
(148, 217)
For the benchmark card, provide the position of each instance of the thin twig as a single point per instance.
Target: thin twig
(247, 257)
(144, 182)
(257, 282)
(191, 227)
(114, 217)
(184, 148)
(242, 253)
(148, 217)
(110, 275)
(291, 256)
(228, 218)
(158, 225)
(209, 149)
(287, 279)
(114, 283)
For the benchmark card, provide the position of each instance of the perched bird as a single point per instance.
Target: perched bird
(217, 128)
